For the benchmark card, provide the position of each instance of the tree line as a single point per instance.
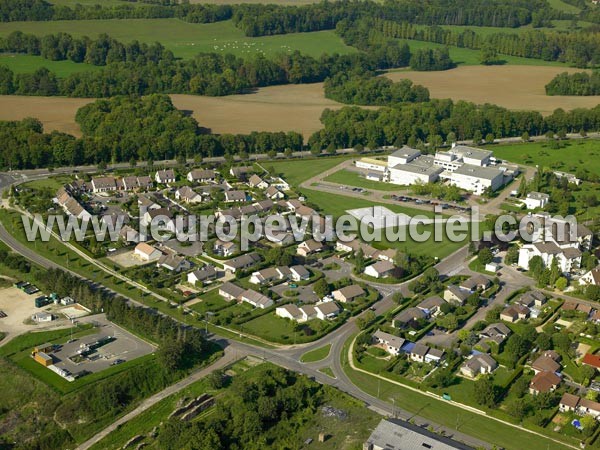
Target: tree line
(581, 83)
(435, 120)
(429, 59)
(130, 129)
(369, 90)
(579, 48)
(41, 10)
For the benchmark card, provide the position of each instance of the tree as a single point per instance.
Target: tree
(536, 266)
(170, 354)
(321, 288)
(525, 136)
(512, 255)
(489, 55)
(485, 392)
(477, 137)
(485, 256)
(359, 261)
(561, 342)
(517, 408)
(543, 341)
(365, 320)
(561, 284)
(515, 347)
(592, 292)
(216, 380)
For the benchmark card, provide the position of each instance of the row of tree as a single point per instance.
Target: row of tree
(581, 83)
(428, 59)
(99, 52)
(369, 90)
(434, 120)
(41, 10)
(579, 48)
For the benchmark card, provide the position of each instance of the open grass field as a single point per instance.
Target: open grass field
(351, 178)
(28, 64)
(562, 6)
(186, 39)
(297, 171)
(578, 154)
(514, 87)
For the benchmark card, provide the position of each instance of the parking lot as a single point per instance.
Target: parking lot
(123, 347)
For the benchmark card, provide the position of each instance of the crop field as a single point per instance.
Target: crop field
(186, 39)
(514, 87)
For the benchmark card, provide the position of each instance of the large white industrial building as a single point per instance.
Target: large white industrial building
(468, 168)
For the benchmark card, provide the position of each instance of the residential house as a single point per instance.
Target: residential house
(174, 263)
(161, 217)
(256, 299)
(230, 291)
(353, 246)
(535, 200)
(381, 269)
(568, 403)
(289, 311)
(103, 184)
(235, 196)
(591, 360)
(481, 363)
(187, 195)
(496, 332)
(225, 249)
(588, 407)
(241, 172)
(146, 203)
(409, 317)
(454, 294)
(241, 262)
(145, 252)
(431, 305)
(386, 255)
(282, 239)
(418, 352)
(309, 247)
(145, 182)
(273, 193)
(392, 344)
(257, 182)
(546, 363)
(591, 277)
(299, 273)
(165, 176)
(532, 299)
(543, 382)
(514, 313)
(201, 176)
(348, 293)
(264, 276)
(326, 310)
(129, 183)
(202, 275)
(434, 356)
(476, 283)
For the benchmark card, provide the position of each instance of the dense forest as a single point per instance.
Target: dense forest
(368, 90)
(581, 83)
(427, 59)
(434, 120)
(155, 130)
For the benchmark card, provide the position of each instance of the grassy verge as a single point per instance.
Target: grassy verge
(316, 355)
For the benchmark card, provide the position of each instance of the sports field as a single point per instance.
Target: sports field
(514, 87)
(186, 39)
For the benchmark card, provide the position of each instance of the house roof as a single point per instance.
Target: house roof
(205, 273)
(419, 349)
(545, 364)
(292, 310)
(589, 404)
(495, 329)
(255, 180)
(431, 302)
(327, 308)
(481, 360)
(410, 314)
(271, 191)
(104, 183)
(231, 289)
(167, 174)
(569, 400)
(389, 339)
(382, 267)
(145, 248)
(187, 192)
(202, 174)
(474, 282)
(352, 291)
(436, 353)
(595, 275)
(244, 260)
(591, 360)
(300, 271)
(235, 195)
(544, 381)
(461, 294)
(256, 297)
(312, 245)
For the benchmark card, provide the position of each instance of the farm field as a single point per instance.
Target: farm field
(186, 39)
(514, 87)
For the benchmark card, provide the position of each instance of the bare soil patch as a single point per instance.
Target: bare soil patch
(514, 87)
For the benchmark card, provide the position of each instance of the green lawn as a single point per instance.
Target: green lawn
(564, 7)
(27, 64)
(295, 171)
(211, 301)
(351, 178)
(186, 39)
(317, 354)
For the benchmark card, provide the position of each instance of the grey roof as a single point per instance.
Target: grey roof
(205, 273)
(396, 434)
(389, 339)
(243, 261)
(471, 152)
(410, 314)
(235, 195)
(419, 349)
(431, 302)
(487, 173)
(405, 152)
(354, 290)
(232, 289)
(538, 195)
